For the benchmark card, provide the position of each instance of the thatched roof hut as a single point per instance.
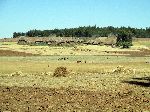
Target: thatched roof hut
(22, 41)
(106, 40)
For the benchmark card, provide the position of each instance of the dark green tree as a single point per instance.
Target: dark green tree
(124, 39)
(86, 31)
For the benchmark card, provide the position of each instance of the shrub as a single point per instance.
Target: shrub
(123, 70)
(60, 72)
(126, 44)
(18, 73)
(124, 39)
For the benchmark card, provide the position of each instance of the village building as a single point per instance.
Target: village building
(61, 41)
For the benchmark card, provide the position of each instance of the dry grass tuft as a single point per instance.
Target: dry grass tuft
(122, 69)
(17, 73)
(60, 72)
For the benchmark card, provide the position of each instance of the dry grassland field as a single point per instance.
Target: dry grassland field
(97, 78)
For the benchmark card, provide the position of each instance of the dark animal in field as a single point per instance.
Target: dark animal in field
(79, 61)
(63, 58)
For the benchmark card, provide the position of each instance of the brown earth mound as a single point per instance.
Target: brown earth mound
(14, 53)
(29, 99)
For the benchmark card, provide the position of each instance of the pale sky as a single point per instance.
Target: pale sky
(24, 15)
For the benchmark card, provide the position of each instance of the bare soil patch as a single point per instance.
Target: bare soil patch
(141, 53)
(29, 99)
(15, 53)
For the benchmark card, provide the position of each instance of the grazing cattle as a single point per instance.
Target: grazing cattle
(59, 58)
(63, 58)
(106, 51)
(79, 61)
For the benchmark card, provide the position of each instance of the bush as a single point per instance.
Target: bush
(126, 44)
(60, 72)
(124, 39)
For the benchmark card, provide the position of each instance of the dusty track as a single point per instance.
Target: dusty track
(141, 53)
(29, 99)
(14, 53)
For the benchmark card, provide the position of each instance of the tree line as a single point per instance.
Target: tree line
(86, 31)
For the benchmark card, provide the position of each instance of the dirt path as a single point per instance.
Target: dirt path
(141, 53)
(14, 53)
(28, 99)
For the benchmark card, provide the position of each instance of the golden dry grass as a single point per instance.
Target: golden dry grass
(78, 78)
(112, 77)
(77, 50)
(94, 64)
(98, 75)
